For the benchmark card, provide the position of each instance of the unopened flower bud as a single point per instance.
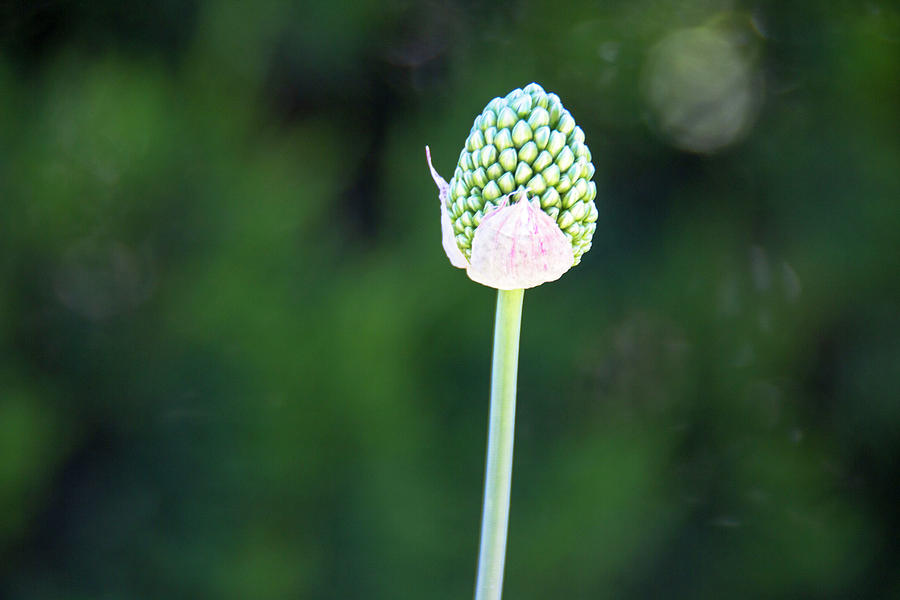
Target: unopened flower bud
(519, 210)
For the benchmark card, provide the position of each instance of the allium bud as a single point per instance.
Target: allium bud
(519, 210)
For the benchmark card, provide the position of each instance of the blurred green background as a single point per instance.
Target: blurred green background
(237, 364)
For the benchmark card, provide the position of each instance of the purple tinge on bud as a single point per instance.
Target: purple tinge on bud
(447, 238)
(519, 246)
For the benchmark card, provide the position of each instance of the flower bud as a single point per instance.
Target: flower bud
(521, 192)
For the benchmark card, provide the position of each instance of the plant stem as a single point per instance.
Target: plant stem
(498, 469)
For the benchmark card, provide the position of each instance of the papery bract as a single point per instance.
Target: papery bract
(519, 246)
(447, 239)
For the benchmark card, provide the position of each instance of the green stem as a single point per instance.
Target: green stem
(498, 469)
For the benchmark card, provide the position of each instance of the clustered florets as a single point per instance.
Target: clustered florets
(526, 139)
(519, 210)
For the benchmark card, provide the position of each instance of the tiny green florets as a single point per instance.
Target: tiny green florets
(526, 139)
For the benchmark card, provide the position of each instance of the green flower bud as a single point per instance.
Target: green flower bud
(555, 110)
(543, 161)
(579, 211)
(541, 137)
(564, 159)
(541, 99)
(479, 178)
(574, 171)
(528, 153)
(536, 185)
(592, 216)
(475, 141)
(522, 106)
(508, 159)
(521, 134)
(503, 139)
(489, 134)
(459, 188)
(488, 155)
(538, 118)
(506, 118)
(577, 135)
(571, 197)
(551, 174)
(556, 142)
(550, 198)
(491, 191)
(523, 173)
(507, 183)
(566, 123)
(526, 141)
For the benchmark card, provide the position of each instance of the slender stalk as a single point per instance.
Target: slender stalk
(498, 469)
